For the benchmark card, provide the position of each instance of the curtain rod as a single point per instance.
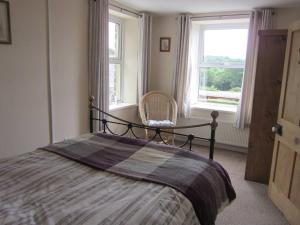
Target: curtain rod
(220, 16)
(123, 9)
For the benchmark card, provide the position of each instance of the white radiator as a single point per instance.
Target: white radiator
(226, 134)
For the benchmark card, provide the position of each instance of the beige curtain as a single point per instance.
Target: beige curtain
(98, 61)
(182, 74)
(144, 54)
(259, 19)
(267, 19)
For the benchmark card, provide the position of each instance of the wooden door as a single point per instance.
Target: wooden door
(268, 80)
(284, 185)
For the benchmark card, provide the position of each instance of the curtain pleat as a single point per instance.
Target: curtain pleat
(144, 57)
(267, 16)
(259, 19)
(98, 61)
(181, 90)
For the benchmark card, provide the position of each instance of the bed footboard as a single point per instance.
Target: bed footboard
(158, 131)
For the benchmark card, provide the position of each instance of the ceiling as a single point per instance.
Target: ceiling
(202, 6)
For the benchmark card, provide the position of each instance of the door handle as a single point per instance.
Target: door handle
(277, 129)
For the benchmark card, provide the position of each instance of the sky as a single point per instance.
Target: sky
(232, 43)
(112, 35)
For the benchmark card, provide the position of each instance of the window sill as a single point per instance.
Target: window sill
(120, 106)
(217, 107)
(200, 111)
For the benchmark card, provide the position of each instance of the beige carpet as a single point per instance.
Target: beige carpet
(252, 205)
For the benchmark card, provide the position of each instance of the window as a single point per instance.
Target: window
(115, 62)
(123, 59)
(220, 68)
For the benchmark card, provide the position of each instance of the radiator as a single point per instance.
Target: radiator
(226, 134)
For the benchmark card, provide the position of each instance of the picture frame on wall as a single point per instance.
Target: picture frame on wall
(165, 44)
(5, 30)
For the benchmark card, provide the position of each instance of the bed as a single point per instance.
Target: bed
(101, 178)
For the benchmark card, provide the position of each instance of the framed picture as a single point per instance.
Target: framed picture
(5, 32)
(165, 44)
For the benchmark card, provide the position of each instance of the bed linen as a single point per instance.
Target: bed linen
(46, 188)
(40, 188)
(204, 182)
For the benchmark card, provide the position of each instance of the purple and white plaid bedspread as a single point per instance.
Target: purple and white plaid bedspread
(204, 182)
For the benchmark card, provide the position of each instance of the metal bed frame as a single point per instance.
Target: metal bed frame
(158, 130)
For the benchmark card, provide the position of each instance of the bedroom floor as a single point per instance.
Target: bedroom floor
(252, 205)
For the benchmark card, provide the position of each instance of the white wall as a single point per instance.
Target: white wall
(24, 113)
(23, 80)
(162, 63)
(286, 16)
(130, 114)
(69, 72)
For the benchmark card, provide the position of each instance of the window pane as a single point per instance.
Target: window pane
(114, 40)
(227, 45)
(222, 63)
(220, 85)
(114, 84)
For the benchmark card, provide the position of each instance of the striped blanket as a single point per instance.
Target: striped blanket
(42, 188)
(205, 183)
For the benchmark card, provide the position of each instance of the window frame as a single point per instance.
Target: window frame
(120, 59)
(204, 65)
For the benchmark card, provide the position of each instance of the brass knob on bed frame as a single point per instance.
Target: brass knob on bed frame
(91, 100)
(214, 115)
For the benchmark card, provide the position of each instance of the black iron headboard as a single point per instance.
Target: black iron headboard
(158, 130)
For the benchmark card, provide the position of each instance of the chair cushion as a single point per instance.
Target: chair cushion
(160, 123)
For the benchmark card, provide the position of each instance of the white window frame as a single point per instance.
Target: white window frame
(202, 64)
(119, 60)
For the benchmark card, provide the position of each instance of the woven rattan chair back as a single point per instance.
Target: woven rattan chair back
(156, 105)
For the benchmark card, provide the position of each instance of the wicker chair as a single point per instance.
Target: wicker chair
(158, 110)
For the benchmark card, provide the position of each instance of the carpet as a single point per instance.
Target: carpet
(252, 205)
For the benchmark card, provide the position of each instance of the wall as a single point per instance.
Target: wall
(162, 63)
(286, 16)
(24, 120)
(130, 114)
(69, 72)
